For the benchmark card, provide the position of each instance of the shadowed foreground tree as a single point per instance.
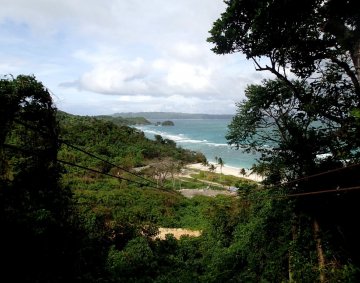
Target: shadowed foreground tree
(305, 125)
(39, 241)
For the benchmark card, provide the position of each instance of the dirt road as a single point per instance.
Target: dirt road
(177, 232)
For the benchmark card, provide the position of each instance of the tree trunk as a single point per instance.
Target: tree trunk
(292, 249)
(355, 56)
(173, 179)
(319, 250)
(291, 272)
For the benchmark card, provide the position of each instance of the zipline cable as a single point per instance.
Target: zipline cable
(337, 190)
(104, 160)
(305, 178)
(103, 173)
(13, 147)
(86, 152)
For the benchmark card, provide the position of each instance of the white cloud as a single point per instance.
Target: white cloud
(163, 76)
(187, 51)
(187, 76)
(149, 54)
(118, 77)
(9, 65)
(116, 20)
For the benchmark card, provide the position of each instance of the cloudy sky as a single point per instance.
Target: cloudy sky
(102, 57)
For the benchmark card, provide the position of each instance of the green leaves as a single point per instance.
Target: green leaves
(35, 209)
(289, 33)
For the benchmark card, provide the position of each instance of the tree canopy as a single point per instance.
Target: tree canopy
(292, 34)
(315, 42)
(35, 210)
(305, 122)
(103, 231)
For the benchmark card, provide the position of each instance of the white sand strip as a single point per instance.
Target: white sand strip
(228, 170)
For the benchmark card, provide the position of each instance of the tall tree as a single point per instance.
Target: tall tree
(318, 43)
(293, 121)
(38, 242)
(293, 34)
(289, 132)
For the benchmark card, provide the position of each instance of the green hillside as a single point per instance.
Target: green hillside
(120, 121)
(74, 208)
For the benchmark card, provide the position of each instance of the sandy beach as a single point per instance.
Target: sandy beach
(227, 170)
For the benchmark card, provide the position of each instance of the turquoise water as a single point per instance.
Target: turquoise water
(206, 136)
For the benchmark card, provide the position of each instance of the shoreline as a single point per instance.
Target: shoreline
(228, 170)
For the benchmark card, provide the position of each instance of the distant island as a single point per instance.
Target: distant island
(165, 123)
(171, 115)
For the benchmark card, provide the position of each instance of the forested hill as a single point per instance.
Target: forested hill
(172, 115)
(118, 143)
(118, 120)
(81, 198)
(129, 121)
(68, 216)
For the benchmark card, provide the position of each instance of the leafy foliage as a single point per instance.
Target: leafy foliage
(40, 240)
(306, 125)
(120, 145)
(73, 225)
(293, 34)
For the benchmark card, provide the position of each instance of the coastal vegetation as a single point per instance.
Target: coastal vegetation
(128, 121)
(95, 222)
(82, 198)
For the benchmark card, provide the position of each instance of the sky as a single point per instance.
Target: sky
(99, 57)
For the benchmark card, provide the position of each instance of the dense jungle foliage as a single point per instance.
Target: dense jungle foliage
(61, 223)
(307, 110)
(67, 216)
(116, 143)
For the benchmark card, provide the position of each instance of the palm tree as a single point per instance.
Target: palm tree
(243, 172)
(212, 167)
(221, 162)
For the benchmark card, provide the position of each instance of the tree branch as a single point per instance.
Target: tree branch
(349, 72)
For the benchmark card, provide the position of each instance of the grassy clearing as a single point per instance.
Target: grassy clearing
(221, 179)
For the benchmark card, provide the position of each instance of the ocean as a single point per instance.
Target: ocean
(203, 135)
